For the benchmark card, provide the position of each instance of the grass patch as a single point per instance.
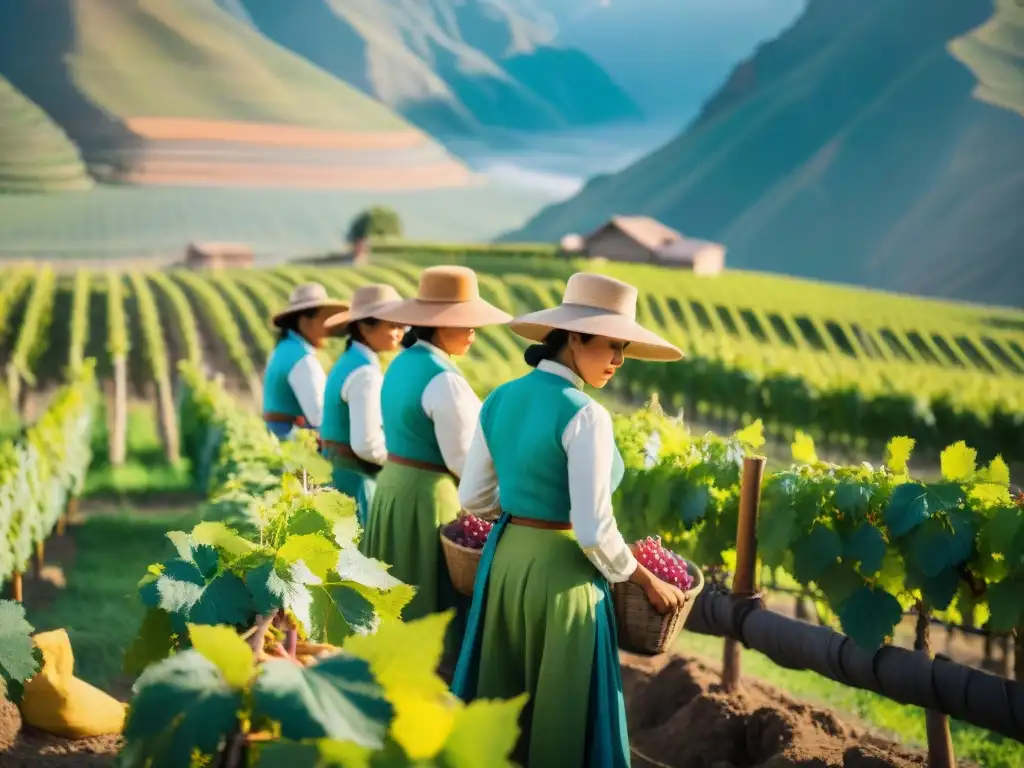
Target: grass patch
(100, 608)
(899, 722)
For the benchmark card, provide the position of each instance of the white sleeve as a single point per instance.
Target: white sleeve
(588, 441)
(307, 380)
(362, 393)
(453, 406)
(478, 487)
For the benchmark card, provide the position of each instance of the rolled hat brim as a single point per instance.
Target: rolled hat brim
(338, 324)
(643, 344)
(474, 313)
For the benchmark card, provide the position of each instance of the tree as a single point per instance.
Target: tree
(377, 221)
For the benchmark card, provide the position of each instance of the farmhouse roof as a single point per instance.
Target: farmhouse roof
(648, 232)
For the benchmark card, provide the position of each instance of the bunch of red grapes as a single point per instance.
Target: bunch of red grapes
(469, 531)
(666, 565)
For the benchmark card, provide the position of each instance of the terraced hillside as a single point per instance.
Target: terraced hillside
(854, 148)
(452, 67)
(184, 93)
(35, 154)
(854, 366)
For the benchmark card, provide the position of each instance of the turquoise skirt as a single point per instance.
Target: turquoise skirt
(542, 622)
(346, 477)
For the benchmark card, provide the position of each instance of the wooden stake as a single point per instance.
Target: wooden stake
(40, 558)
(744, 580)
(16, 591)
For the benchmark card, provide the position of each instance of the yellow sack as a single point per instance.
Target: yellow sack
(57, 702)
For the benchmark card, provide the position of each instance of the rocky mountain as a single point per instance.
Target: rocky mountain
(453, 67)
(879, 144)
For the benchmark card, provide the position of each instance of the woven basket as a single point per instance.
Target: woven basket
(462, 564)
(641, 628)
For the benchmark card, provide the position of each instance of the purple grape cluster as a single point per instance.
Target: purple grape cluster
(469, 531)
(666, 565)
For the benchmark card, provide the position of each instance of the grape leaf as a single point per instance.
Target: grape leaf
(1005, 604)
(897, 454)
(803, 448)
(693, 503)
(775, 534)
(19, 660)
(339, 609)
(852, 499)
(280, 585)
(193, 591)
(314, 550)
(958, 462)
(336, 698)
(869, 616)
(222, 647)
(939, 590)
(936, 544)
(751, 437)
(838, 582)
(944, 497)
(322, 753)
(404, 657)
(815, 552)
(219, 536)
(996, 473)
(907, 508)
(353, 565)
(181, 705)
(997, 535)
(866, 546)
(484, 734)
(154, 642)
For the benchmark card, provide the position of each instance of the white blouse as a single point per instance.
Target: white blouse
(588, 441)
(307, 380)
(453, 406)
(361, 392)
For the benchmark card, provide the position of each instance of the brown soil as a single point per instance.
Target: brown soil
(680, 716)
(163, 129)
(25, 747)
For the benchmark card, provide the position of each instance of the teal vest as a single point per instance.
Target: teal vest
(337, 425)
(408, 432)
(278, 396)
(523, 422)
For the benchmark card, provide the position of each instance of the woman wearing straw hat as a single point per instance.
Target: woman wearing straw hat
(353, 431)
(542, 620)
(430, 413)
(293, 385)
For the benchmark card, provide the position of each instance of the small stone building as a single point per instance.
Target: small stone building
(641, 239)
(218, 256)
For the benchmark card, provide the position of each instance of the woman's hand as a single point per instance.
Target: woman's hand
(663, 596)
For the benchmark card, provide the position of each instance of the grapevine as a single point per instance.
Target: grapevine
(184, 316)
(32, 336)
(117, 322)
(79, 319)
(152, 334)
(221, 318)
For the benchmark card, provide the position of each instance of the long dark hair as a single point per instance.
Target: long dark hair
(290, 322)
(551, 347)
(355, 333)
(418, 333)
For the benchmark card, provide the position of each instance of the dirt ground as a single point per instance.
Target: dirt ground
(679, 716)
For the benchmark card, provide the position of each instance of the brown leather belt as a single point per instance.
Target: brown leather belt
(345, 451)
(533, 522)
(424, 465)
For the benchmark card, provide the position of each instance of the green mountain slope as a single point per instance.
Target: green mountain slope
(35, 154)
(451, 66)
(853, 148)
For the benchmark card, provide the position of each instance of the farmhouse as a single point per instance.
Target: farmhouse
(642, 239)
(218, 255)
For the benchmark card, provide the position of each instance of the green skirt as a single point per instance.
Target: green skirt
(408, 507)
(542, 623)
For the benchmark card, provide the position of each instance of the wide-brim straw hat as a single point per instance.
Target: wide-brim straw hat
(601, 306)
(368, 301)
(448, 297)
(310, 296)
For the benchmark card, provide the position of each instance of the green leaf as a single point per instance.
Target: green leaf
(897, 454)
(866, 546)
(944, 497)
(337, 611)
(938, 591)
(319, 554)
(322, 753)
(1006, 605)
(838, 582)
(18, 659)
(223, 648)
(353, 565)
(154, 642)
(852, 499)
(693, 504)
(194, 595)
(958, 462)
(181, 705)
(775, 534)
(484, 734)
(999, 532)
(940, 544)
(336, 698)
(907, 508)
(219, 536)
(276, 585)
(815, 552)
(869, 616)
